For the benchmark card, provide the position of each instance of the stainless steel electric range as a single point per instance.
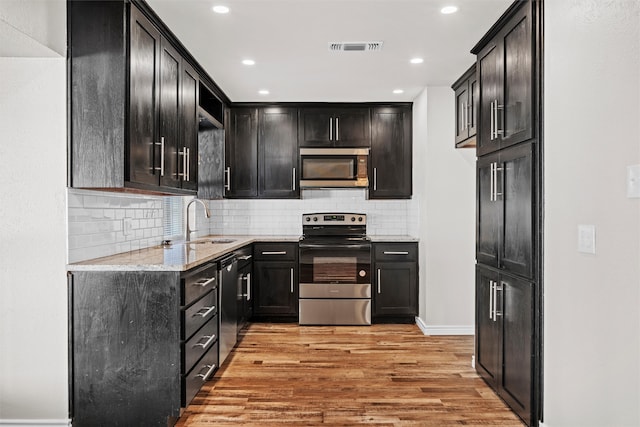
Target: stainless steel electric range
(335, 270)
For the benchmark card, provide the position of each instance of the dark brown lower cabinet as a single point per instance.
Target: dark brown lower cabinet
(505, 337)
(141, 344)
(275, 286)
(395, 282)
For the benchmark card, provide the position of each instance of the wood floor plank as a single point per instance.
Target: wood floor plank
(380, 375)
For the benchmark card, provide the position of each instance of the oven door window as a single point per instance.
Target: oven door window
(324, 167)
(335, 265)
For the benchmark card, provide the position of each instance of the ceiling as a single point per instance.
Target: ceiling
(288, 40)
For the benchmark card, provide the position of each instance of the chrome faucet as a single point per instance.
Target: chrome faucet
(206, 211)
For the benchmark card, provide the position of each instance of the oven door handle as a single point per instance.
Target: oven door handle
(333, 245)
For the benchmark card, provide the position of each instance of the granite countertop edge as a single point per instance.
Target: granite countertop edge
(185, 256)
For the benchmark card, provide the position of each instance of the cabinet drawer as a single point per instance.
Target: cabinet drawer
(396, 251)
(198, 345)
(198, 282)
(275, 251)
(199, 313)
(201, 372)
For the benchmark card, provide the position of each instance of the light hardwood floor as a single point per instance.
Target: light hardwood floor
(386, 375)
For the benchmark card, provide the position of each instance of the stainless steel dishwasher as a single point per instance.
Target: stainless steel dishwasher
(228, 268)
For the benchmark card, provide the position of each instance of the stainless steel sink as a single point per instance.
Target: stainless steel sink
(215, 241)
(221, 240)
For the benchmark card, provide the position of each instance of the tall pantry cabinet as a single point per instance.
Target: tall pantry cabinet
(508, 209)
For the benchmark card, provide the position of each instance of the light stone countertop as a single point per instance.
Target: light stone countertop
(185, 256)
(177, 257)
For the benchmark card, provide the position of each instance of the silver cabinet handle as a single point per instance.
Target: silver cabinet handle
(248, 286)
(463, 113)
(274, 252)
(337, 129)
(210, 368)
(210, 339)
(207, 311)
(183, 153)
(396, 253)
(227, 173)
(292, 280)
(492, 122)
(205, 283)
(495, 182)
(495, 300)
(498, 130)
(378, 280)
(492, 181)
(161, 144)
(491, 284)
(188, 164)
(375, 179)
(330, 129)
(293, 181)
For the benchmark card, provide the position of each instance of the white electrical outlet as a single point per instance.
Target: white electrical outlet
(587, 239)
(633, 182)
(127, 226)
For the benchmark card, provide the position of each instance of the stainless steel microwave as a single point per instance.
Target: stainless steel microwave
(334, 167)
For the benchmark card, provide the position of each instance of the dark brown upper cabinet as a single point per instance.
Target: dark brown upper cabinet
(390, 160)
(466, 95)
(505, 69)
(262, 153)
(133, 101)
(334, 126)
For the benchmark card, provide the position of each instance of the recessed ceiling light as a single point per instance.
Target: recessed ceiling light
(263, 92)
(397, 91)
(416, 60)
(248, 62)
(448, 10)
(220, 9)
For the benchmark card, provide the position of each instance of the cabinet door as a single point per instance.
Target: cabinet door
(169, 132)
(488, 325)
(396, 290)
(517, 112)
(242, 153)
(516, 189)
(390, 156)
(144, 145)
(488, 211)
(276, 290)
(316, 127)
(189, 122)
(462, 112)
(278, 153)
(490, 80)
(517, 297)
(474, 93)
(352, 127)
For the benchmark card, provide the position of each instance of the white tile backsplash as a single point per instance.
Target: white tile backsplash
(96, 218)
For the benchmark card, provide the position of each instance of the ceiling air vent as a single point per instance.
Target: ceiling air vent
(355, 46)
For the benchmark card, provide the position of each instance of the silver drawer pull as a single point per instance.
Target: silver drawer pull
(206, 313)
(211, 338)
(245, 257)
(205, 283)
(274, 253)
(210, 368)
(396, 253)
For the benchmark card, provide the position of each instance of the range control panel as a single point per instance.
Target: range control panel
(334, 219)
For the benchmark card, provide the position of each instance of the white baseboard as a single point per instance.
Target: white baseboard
(444, 329)
(39, 423)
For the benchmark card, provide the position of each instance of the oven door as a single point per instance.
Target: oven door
(335, 270)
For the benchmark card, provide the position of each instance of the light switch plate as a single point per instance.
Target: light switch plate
(587, 239)
(633, 181)
(127, 226)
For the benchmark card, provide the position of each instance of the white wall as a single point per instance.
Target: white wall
(592, 133)
(32, 28)
(33, 288)
(444, 187)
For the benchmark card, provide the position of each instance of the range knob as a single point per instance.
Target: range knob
(360, 219)
(315, 218)
(307, 219)
(353, 219)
